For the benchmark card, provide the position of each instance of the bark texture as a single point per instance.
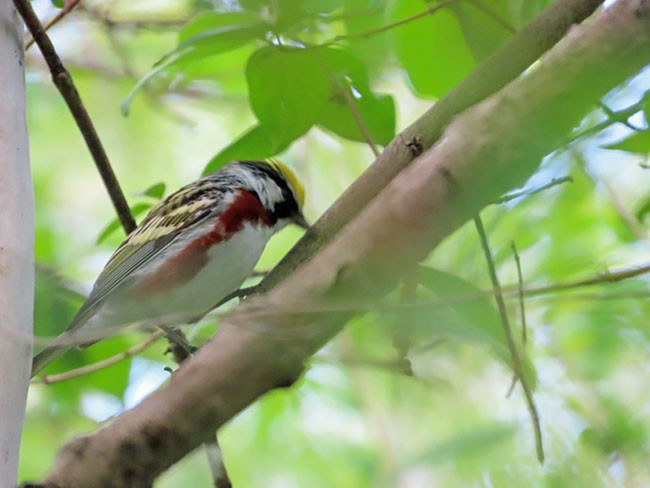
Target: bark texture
(16, 244)
(484, 152)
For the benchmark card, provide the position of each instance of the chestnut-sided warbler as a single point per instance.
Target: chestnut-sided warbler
(193, 249)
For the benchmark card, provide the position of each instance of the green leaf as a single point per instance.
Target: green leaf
(58, 3)
(257, 143)
(287, 90)
(643, 210)
(484, 33)
(372, 49)
(523, 11)
(376, 111)
(209, 21)
(289, 13)
(321, 6)
(55, 301)
(467, 314)
(115, 224)
(646, 106)
(207, 35)
(467, 444)
(431, 48)
(212, 42)
(155, 191)
(637, 143)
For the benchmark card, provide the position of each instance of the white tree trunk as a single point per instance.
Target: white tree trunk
(16, 244)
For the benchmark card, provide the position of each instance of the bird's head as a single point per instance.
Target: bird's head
(277, 187)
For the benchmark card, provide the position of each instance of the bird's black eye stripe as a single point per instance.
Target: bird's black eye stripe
(266, 170)
(284, 210)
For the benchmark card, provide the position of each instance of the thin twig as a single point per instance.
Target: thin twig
(522, 310)
(620, 116)
(533, 191)
(91, 368)
(62, 13)
(611, 115)
(220, 477)
(103, 15)
(516, 359)
(349, 100)
(601, 278)
(66, 86)
(398, 23)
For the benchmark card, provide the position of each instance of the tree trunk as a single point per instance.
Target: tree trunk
(16, 244)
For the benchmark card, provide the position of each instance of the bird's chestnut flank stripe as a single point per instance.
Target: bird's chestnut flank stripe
(245, 208)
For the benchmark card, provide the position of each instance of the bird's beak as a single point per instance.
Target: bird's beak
(299, 219)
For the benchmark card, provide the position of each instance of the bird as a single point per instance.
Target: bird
(192, 250)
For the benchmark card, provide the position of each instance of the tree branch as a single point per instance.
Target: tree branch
(504, 65)
(49, 379)
(66, 86)
(488, 149)
(69, 6)
(512, 346)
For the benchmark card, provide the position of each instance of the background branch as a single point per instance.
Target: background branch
(251, 355)
(510, 340)
(66, 86)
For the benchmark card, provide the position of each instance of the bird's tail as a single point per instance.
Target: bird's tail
(46, 356)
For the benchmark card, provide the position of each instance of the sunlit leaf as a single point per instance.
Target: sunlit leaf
(376, 112)
(207, 35)
(485, 28)
(637, 143)
(287, 90)
(206, 22)
(360, 17)
(155, 191)
(115, 224)
(213, 42)
(257, 143)
(431, 48)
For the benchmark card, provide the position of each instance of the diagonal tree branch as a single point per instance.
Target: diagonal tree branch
(504, 65)
(66, 86)
(263, 344)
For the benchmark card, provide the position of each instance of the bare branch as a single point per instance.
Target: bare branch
(66, 86)
(49, 379)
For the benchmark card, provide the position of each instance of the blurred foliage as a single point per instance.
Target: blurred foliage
(412, 393)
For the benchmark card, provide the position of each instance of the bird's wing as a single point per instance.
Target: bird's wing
(162, 226)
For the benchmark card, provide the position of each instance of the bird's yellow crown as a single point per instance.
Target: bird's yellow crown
(290, 176)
